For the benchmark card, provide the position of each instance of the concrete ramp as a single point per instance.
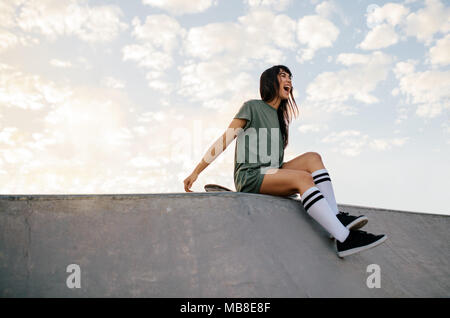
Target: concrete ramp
(209, 245)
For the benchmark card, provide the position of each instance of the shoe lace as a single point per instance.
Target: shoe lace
(344, 213)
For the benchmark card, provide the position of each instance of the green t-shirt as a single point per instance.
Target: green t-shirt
(253, 151)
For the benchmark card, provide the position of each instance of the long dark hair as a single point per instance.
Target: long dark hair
(268, 89)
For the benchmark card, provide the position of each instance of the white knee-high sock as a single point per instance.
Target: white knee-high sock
(323, 182)
(317, 207)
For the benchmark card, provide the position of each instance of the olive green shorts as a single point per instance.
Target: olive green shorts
(250, 180)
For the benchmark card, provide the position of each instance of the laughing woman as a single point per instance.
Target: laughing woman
(267, 120)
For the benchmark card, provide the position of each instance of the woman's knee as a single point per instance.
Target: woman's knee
(304, 181)
(304, 177)
(314, 157)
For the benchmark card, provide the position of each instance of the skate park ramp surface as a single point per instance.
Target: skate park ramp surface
(209, 245)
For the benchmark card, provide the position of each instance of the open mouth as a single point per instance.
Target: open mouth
(287, 89)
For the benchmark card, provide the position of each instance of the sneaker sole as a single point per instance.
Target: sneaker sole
(355, 225)
(358, 223)
(362, 248)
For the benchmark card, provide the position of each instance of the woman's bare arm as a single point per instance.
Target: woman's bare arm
(220, 144)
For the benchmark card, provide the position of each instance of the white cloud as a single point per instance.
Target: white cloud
(180, 7)
(262, 27)
(349, 142)
(144, 162)
(57, 151)
(428, 90)
(217, 84)
(83, 62)
(102, 24)
(227, 50)
(315, 32)
(156, 39)
(28, 91)
(147, 56)
(383, 21)
(426, 22)
(379, 37)
(212, 39)
(391, 13)
(422, 24)
(353, 142)
(154, 74)
(112, 82)
(164, 87)
(255, 36)
(60, 63)
(16, 155)
(311, 128)
(159, 30)
(334, 137)
(54, 18)
(325, 9)
(155, 82)
(328, 9)
(208, 80)
(152, 116)
(8, 12)
(330, 90)
(402, 114)
(403, 68)
(353, 59)
(440, 53)
(386, 144)
(79, 62)
(9, 40)
(86, 111)
(215, 103)
(7, 136)
(140, 131)
(277, 5)
(73, 111)
(160, 116)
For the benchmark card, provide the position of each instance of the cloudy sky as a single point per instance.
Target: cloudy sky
(126, 96)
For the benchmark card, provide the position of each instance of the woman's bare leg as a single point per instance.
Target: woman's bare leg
(285, 182)
(312, 162)
(309, 161)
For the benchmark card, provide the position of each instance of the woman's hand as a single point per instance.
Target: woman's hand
(189, 181)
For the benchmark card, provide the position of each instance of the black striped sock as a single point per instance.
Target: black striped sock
(323, 182)
(311, 199)
(321, 178)
(317, 207)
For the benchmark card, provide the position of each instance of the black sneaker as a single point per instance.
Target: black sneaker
(358, 241)
(352, 222)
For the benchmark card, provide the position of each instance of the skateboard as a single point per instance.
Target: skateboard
(211, 187)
